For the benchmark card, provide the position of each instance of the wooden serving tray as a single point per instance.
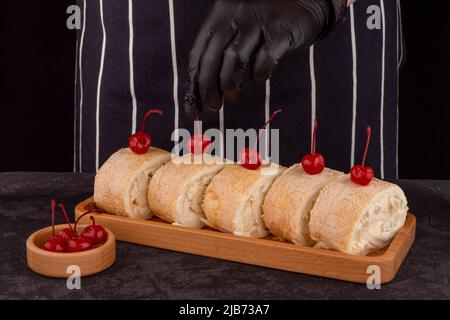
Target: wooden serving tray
(266, 252)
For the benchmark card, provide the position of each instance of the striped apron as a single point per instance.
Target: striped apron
(132, 55)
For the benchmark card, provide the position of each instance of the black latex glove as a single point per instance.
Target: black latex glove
(251, 35)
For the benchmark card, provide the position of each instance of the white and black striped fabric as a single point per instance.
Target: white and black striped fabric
(133, 55)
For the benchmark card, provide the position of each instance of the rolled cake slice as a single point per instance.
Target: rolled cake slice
(358, 220)
(289, 201)
(233, 200)
(121, 183)
(176, 190)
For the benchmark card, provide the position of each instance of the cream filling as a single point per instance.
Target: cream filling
(138, 194)
(379, 224)
(191, 210)
(194, 195)
(249, 222)
(300, 232)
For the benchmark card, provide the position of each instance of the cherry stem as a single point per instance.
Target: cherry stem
(196, 124)
(93, 220)
(53, 216)
(148, 114)
(274, 114)
(313, 145)
(63, 209)
(369, 133)
(79, 218)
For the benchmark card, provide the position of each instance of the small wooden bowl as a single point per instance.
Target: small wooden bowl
(53, 264)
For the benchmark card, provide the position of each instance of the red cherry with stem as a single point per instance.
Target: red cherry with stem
(361, 174)
(250, 157)
(96, 233)
(79, 243)
(198, 143)
(141, 141)
(313, 163)
(56, 243)
(66, 233)
(97, 227)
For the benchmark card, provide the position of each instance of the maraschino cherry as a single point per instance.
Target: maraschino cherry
(78, 243)
(141, 141)
(361, 174)
(313, 163)
(250, 157)
(96, 233)
(56, 243)
(68, 240)
(198, 143)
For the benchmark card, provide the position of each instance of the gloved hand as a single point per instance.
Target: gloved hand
(251, 35)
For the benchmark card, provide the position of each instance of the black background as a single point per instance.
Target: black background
(37, 87)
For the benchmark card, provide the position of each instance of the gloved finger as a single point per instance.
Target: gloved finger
(192, 103)
(210, 66)
(236, 60)
(276, 45)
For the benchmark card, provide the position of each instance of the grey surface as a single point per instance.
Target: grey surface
(148, 273)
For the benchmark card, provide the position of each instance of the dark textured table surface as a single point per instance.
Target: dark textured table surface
(148, 273)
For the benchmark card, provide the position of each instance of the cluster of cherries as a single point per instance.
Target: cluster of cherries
(68, 240)
(312, 163)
